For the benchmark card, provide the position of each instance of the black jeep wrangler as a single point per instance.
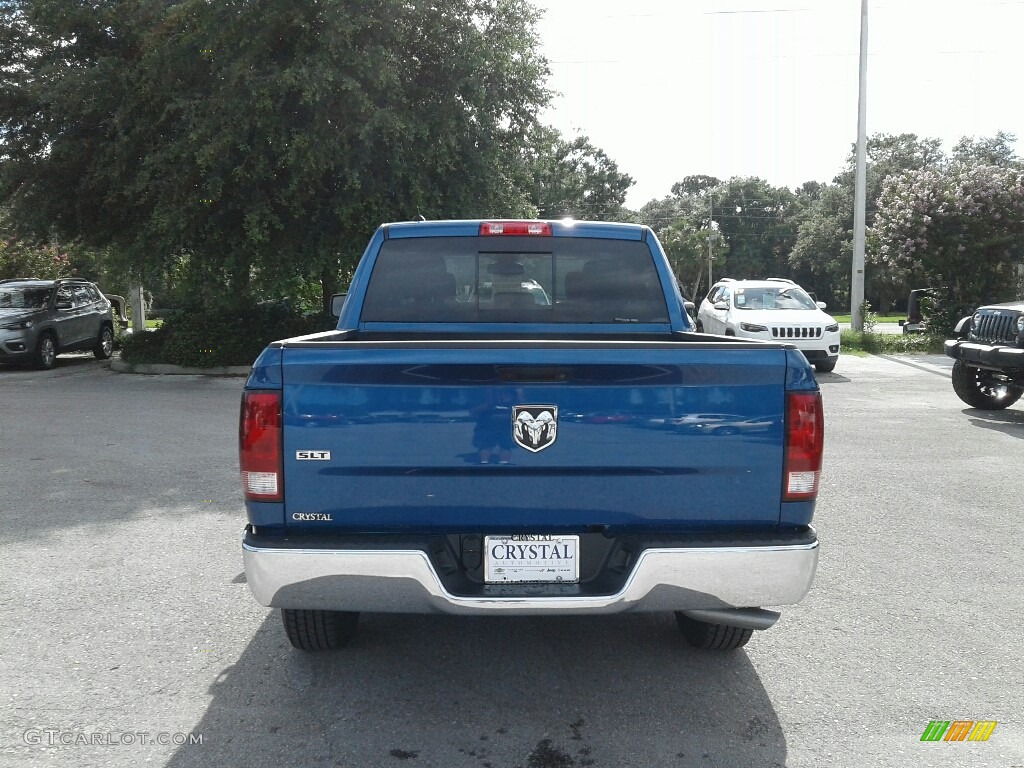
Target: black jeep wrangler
(989, 353)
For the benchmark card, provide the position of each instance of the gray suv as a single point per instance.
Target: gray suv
(41, 318)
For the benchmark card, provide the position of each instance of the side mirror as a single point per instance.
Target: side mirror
(63, 305)
(721, 305)
(690, 307)
(337, 302)
(822, 305)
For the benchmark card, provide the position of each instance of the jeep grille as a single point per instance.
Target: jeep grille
(795, 332)
(995, 327)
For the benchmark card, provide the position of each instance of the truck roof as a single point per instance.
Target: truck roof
(557, 227)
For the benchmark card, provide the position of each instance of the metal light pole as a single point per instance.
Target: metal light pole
(711, 235)
(857, 283)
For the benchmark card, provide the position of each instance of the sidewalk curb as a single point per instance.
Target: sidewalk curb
(158, 369)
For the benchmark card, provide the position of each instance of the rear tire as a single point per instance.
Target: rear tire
(700, 327)
(826, 366)
(45, 356)
(980, 389)
(104, 343)
(319, 630)
(712, 637)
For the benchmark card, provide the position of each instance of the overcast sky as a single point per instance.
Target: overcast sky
(768, 88)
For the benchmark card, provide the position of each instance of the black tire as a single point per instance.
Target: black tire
(319, 630)
(700, 327)
(730, 332)
(712, 637)
(826, 366)
(104, 343)
(45, 355)
(980, 389)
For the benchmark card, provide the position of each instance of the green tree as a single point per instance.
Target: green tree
(997, 150)
(684, 225)
(575, 178)
(696, 187)
(663, 212)
(689, 201)
(686, 247)
(823, 252)
(755, 220)
(749, 220)
(258, 144)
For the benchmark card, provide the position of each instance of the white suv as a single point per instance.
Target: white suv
(774, 309)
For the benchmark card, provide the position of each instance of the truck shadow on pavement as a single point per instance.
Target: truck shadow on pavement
(488, 692)
(1009, 422)
(831, 378)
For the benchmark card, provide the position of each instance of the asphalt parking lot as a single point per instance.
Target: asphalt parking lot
(127, 621)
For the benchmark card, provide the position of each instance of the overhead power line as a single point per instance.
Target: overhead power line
(756, 10)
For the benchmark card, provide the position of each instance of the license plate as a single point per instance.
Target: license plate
(525, 558)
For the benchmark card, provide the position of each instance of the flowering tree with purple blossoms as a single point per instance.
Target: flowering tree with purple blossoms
(960, 226)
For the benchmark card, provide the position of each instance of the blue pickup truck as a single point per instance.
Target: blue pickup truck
(516, 417)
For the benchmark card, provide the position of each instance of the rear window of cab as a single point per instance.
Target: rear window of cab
(514, 280)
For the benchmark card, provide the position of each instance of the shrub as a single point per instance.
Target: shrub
(890, 343)
(145, 347)
(942, 311)
(870, 319)
(119, 335)
(202, 339)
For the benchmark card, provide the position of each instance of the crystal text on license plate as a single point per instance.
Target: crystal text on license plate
(532, 558)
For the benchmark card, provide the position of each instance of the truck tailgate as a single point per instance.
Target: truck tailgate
(419, 436)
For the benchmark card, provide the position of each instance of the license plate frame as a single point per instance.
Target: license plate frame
(535, 559)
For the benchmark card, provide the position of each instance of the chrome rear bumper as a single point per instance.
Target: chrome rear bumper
(405, 581)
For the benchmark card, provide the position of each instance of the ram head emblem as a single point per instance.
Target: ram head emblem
(534, 427)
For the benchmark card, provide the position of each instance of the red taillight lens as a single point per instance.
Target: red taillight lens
(259, 446)
(541, 228)
(805, 439)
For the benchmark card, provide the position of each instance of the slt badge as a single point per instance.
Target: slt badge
(534, 427)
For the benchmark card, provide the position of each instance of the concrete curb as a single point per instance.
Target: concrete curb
(157, 369)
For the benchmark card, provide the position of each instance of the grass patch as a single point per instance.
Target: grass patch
(889, 343)
(154, 323)
(878, 318)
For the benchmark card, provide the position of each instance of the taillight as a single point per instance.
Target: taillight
(541, 228)
(259, 446)
(805, 438)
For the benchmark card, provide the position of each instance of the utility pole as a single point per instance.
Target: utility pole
(138, 305)
(857, 282)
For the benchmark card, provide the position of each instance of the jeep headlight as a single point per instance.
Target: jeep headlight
(21, 324)
(1020, 323)
(832, 328)
(753, 328)
(976, 319)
